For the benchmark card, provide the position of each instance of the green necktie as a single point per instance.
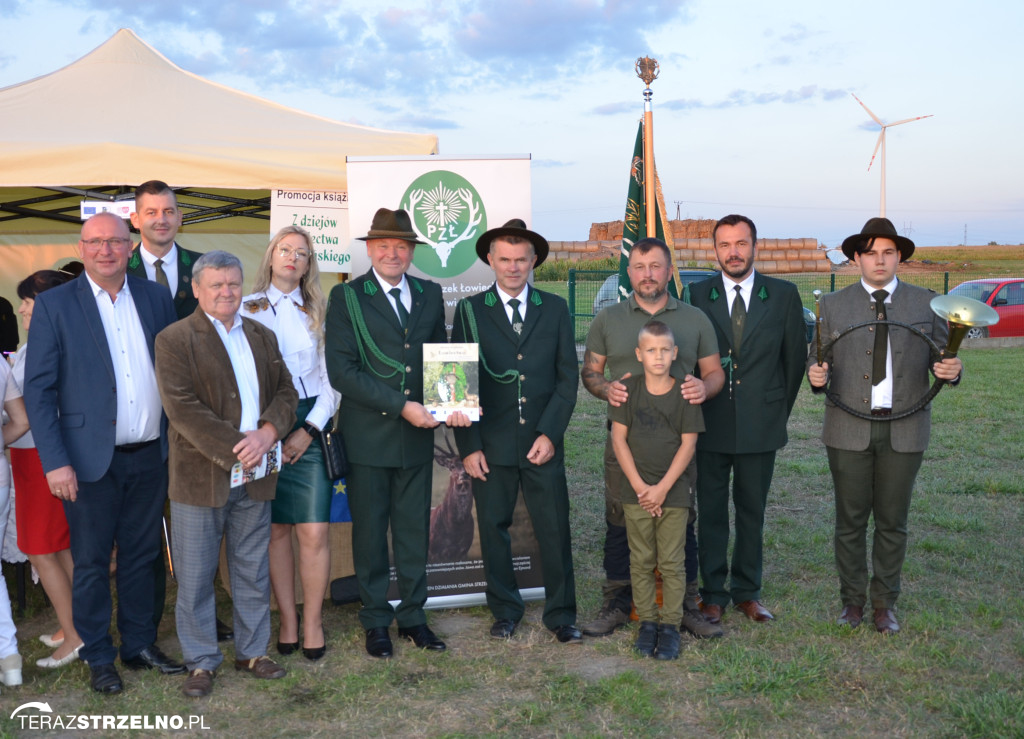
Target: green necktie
(517, 318)
(403, 314)
(739, 317)
(881, 350)
(161, 276)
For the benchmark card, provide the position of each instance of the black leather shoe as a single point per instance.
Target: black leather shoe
(151, 658)
(567, 634)
(378, 642)
(226, 633)
(504, 628)
(422, 637)
(287, 647)
(104, 679)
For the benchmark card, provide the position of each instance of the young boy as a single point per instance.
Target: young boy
(654, 434)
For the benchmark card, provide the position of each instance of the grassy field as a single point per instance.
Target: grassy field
(954, 671)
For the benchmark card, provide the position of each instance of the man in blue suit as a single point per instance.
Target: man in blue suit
(92, 399)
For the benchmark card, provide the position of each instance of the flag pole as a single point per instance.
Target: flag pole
(647, 70)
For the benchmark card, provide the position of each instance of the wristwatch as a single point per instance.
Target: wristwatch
(311, 430)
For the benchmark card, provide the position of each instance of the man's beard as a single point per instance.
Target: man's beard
(653, 292)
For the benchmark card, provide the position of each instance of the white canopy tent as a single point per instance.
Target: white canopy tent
(66, 127)
(124, 114)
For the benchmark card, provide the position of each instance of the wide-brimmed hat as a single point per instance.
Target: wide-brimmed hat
(391, 224)
(878, 228)
(515, 227)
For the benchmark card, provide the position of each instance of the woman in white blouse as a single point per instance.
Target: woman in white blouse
(287, 299)
(14, 406)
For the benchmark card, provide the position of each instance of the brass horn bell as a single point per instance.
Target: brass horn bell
(961, 313)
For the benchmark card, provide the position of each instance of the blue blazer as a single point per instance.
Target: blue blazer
(70, 389)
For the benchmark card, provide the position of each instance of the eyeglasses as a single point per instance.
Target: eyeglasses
(300, 254)
(113, 243)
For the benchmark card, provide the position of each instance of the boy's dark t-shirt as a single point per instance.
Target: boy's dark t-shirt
(654, 426)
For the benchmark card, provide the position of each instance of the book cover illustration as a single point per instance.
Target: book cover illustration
(451, 380)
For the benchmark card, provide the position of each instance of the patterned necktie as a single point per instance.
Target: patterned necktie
(881, 350)
(739, 317)
(403, 314)
(161, 276)
(517, 318)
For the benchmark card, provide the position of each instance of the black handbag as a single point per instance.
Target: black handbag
(335, 459)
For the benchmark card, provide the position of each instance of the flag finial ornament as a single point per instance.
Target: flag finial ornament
(647, 69)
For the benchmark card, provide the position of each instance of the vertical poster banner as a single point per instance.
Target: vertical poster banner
(451, 202)
(324, 213)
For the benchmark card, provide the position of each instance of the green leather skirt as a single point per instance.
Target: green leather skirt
(303, 490)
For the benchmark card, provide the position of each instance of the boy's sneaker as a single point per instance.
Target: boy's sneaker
(647, 639)
(668, 642)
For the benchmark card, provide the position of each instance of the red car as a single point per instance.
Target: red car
(1006, 295)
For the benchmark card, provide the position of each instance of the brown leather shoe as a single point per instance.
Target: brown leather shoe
(198, 684)
(712, 612)
(851, 616)
(885, 621)
(753, 610)
(261, 667)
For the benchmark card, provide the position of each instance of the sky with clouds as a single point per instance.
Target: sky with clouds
(753, 107)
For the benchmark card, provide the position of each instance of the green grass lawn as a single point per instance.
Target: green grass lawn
(954, 671)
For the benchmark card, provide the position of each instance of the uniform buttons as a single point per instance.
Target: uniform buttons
(522, 401)
(406, 346)
(233, 395)
(522, 377)
(522, 421)
(407, 391)
(519, 356)
(738, 382)
(871, 328)
(408, 369)
(868, 352)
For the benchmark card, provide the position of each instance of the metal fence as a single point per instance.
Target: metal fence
(585, 284)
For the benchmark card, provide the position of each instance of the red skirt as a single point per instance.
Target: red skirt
(42, 525)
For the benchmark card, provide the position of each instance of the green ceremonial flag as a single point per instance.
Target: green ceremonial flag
(634, 223)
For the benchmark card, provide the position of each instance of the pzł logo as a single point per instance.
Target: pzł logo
(448, 214)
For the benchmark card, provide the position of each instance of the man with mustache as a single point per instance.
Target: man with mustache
(761, 334)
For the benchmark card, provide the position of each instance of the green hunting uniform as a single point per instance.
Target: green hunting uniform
(390, 478)
(746, 425)
(534, 393)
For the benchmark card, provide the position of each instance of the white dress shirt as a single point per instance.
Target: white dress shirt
(403, 286)
(746, 289)
(521, 297)
(881, 394)
(244, 367)
(138, 400)
(303, 352)
(170, 265)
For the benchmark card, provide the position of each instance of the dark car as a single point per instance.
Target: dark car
(607, 294)
(1006, 295)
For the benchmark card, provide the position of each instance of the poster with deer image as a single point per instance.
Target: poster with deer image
(451, 202)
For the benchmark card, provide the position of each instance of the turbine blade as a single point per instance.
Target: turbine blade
(877, 146)
(908, 120)
(874, 117)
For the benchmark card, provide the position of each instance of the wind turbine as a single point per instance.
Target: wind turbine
(881, 143)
